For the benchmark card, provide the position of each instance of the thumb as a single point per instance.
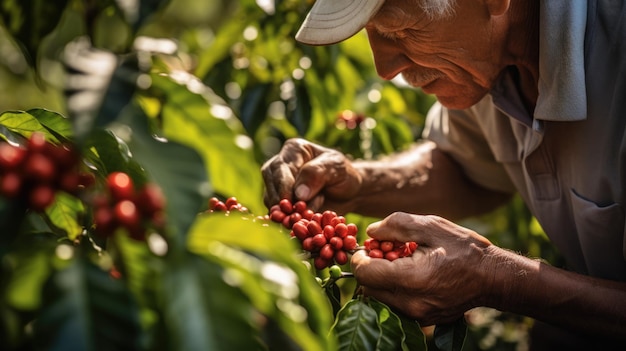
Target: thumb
(310, 180)
(398, 226)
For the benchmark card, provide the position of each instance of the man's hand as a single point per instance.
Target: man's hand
(446, 276)
(305, 171)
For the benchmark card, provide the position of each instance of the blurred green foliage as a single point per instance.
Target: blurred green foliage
(209, 89)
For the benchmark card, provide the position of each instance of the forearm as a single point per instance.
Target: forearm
(538, 290)
(423, 180)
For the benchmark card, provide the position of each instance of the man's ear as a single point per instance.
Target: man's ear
(497, 7)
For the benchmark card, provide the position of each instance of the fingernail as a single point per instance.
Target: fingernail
(302, 192)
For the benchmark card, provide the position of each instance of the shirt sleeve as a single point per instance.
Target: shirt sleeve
(458, 133)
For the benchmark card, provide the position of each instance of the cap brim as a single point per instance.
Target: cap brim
(332, 21)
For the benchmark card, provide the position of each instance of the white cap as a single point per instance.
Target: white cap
(332, 21)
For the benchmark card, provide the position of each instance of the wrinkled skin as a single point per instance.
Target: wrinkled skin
(312, 173)
(421, 285)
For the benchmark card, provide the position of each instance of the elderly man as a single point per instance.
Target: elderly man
(531, 99)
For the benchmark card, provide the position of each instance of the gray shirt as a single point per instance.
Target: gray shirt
(567, 158)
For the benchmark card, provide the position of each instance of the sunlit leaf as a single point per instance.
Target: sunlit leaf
(24, 124)
(212, 130)
(29, 269)
(64, 213)
(265, 240)
(274, 290)
(55, 123)
(203, 312)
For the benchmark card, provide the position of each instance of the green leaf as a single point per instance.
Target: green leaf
(301, 115)
(391, 334)
(55, 123)
(210, 127)
(266, 241)
(111, 154)
(274, 290)
(85, 309)
(29, 21)
(64, 214)
(27, 272)
(415, 338)
(176, 168)
(451, 337)
(24, 124)
(356, 327)
(334, 297)
(201, 311)
(254, 106)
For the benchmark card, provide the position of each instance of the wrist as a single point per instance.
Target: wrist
(508, 278)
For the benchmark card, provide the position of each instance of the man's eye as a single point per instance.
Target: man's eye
(395, 35)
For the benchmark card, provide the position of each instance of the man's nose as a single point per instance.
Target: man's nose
(389, 58)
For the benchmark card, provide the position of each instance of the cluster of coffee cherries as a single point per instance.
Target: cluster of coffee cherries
(325, 235)
(390, 250)
(35, 173)
(228, 205)
(123, 206)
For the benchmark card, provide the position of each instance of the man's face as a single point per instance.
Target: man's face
(454, 58)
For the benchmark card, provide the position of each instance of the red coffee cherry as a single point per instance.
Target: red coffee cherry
(104, 221)
(277, 216)
(327, 252)
(341, 257)
(231, 202)
(392, 255)
(37, 142)
(320, 263)
(307, 244)
(120, 185)
(300, 207)
(352, 229)
(319, 240)
(300, 230)
(349, 243)
(69, 182)
(386, 246)
(336, 242)
(327, 217)
(10, 156)
(314, 228)
(41, 197)
(10, 184)
(39, 168)
(341, 230)
(126, 214)
(329, 231)
(150, 199)
(376, 253)
(285, 206)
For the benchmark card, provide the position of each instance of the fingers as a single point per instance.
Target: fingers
(278, 182)
(381, 273)
(308, 172)
(397, 226)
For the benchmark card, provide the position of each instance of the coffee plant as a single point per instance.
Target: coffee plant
(131, 217)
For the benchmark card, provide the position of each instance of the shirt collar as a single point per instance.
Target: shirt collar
(562, 91)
